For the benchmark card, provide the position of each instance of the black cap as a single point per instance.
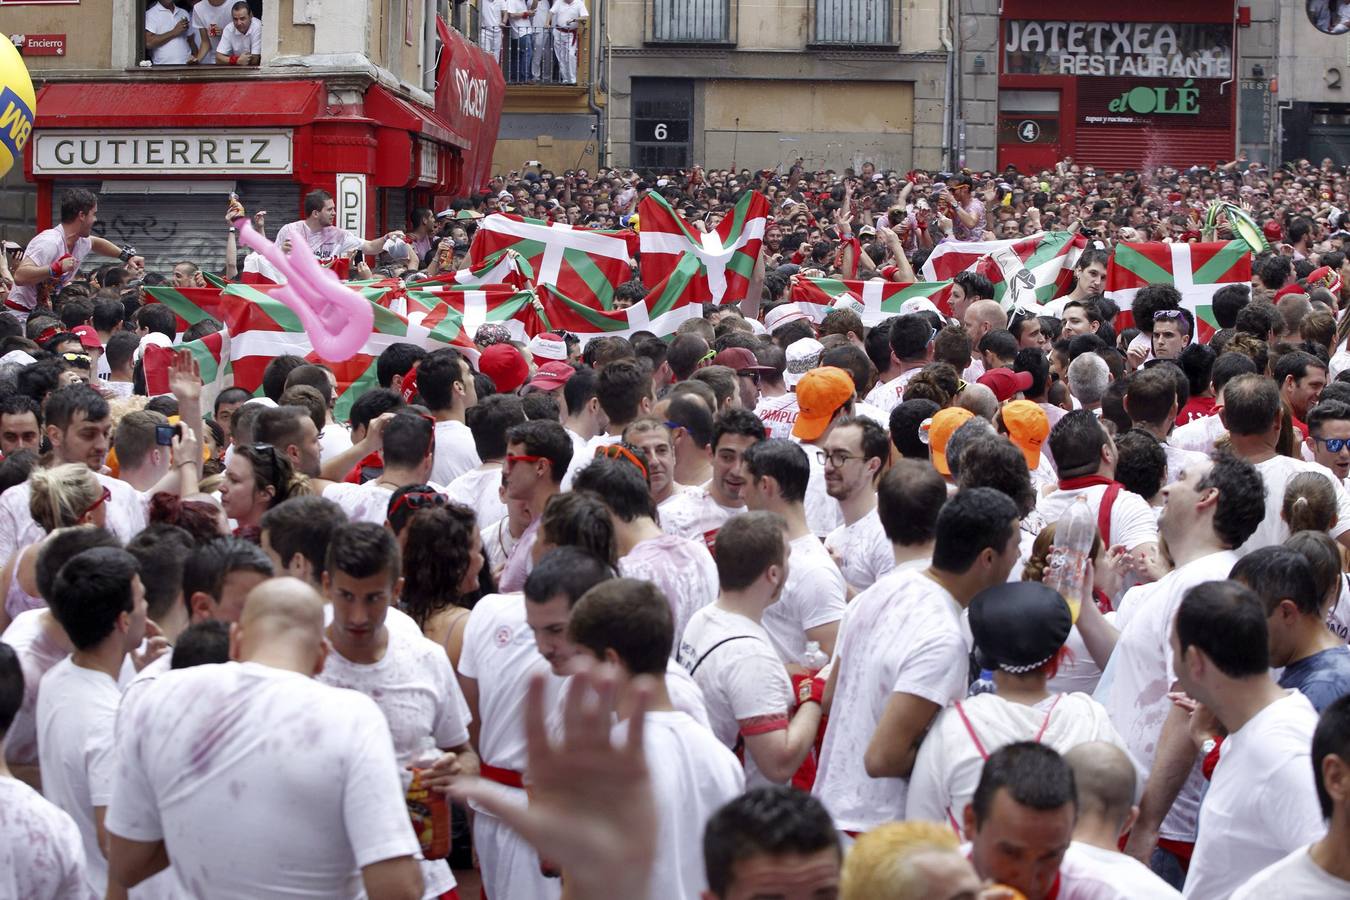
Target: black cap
(1018, 626)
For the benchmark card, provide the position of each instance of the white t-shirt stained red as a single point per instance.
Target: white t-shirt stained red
(865, 550)
(745, 686)
(813, 596)
(684, 571)
(41, 854)
(901, 636)
(306, 772)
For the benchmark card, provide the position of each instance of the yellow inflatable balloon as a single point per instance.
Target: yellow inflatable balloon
(18, 104)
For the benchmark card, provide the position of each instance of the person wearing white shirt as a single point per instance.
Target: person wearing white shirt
(409, 451)
(567, 16)
(499, 659)
(1105, 780)
(682, 568)
(167, 36)
(855, 451)
(41, 854)
(1151, 402)
(812, 602)
(1019, 630)
(241, 43)
(1252, 412)
(520, 16)
(627, 623)
(729, 654)
(700, 511)
(911, 341)
(210, 18)
(78, 424)
(99, 601)
(902, 654)
(409, 678)
(445, 381)
(1261, 804)
(1208, 513)
(1085, 461)
(246, 736)
(1321, 869)
(1021, 822)
(490, 27)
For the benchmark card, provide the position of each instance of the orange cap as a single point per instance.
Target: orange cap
(940, 430)
(1028, 426)
(820, 394)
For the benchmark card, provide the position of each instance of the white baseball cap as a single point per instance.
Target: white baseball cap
(918, 305)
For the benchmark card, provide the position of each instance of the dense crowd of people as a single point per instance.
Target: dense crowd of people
(772, 607)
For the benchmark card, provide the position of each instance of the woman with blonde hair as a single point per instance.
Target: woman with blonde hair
(59, 497)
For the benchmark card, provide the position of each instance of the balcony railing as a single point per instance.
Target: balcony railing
(541, 55)
(856, 23)
(691, 22)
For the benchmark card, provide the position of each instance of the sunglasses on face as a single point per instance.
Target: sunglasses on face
(1335, 445)
(102, 499)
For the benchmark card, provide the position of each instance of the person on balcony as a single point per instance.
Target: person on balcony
(541, 65)
(241, 44)
(209, 20)
(491, 14)
(168, 40)
(520, 16)
(567, 16)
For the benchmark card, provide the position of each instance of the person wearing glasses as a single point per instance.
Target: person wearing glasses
(1329, 436)
(256, 479)
(1172, 330)
(537, 457)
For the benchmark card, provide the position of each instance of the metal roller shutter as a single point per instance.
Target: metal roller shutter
(167, 228)
(1117, 148)
(395, 210)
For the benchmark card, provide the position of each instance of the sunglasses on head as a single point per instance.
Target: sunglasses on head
(1163, 315)
(415, 500)
(619, 451)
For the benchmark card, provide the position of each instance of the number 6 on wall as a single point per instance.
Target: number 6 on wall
(660, 132)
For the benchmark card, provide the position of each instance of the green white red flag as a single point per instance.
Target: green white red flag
(678, 298)
(506, 267)
(727, 254)
(1026, 272)
(260, 328)
(586, 265)
(881, 299)
(1197, 271)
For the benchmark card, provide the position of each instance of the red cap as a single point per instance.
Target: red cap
(739, 360)
(505, 365)
(1272, 230)
(551, 376)
(1005, 383)
(88, 336)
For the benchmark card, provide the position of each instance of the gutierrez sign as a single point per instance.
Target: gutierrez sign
(162, 152)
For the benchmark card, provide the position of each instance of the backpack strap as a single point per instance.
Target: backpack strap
(734, 637)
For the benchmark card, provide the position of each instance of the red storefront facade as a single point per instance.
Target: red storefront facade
(164, 155)
(1152, 86)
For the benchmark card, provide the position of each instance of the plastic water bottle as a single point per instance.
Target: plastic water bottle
(815, 657)
(1070, 554)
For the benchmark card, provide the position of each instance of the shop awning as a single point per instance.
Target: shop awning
(181, 104)
(469, 93)
(395, 112)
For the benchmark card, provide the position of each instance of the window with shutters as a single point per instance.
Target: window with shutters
(852, 23)
(690, 22)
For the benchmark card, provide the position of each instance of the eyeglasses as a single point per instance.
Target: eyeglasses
(619, 451)
(836, 458)
(415, 500)
(102, 499)
(1166, 315)
(673, 426)
(1335, 445)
